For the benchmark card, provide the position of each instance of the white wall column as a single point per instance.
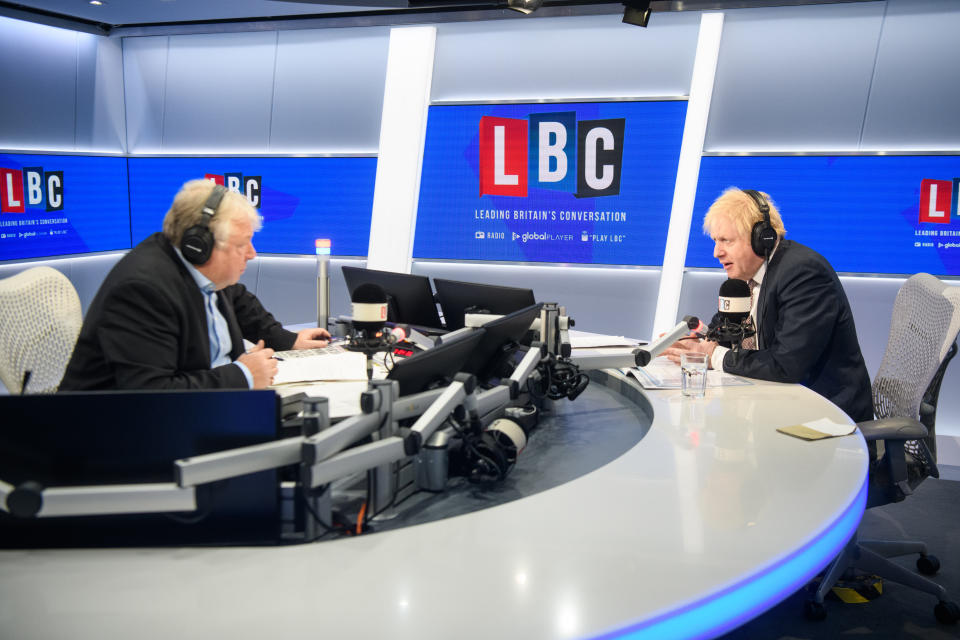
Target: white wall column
(688, 171)
(406, 97)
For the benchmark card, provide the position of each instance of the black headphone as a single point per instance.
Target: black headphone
(488, 462)
(197, 242)
(763, 237)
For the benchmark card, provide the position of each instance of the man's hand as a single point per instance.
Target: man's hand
(259, 360)
(312, 339)
(690, 345)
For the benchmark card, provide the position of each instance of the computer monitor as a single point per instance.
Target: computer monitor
(134, 437)
(438, 365)
(499, 334)
(409, 297)
(456, 297)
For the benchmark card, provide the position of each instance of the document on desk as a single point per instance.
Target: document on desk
(348, 365)
(661, 373)
(818, 429)
(586, 340)
(343, 398)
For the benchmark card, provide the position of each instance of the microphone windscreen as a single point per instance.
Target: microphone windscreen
(369, 307)
(734, 302)
(368, 293)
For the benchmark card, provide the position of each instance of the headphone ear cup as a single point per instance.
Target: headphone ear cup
(763, 237)
(197, 244)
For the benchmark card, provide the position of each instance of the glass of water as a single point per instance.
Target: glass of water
(693, 374)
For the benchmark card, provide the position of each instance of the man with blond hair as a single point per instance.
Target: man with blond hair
(805, 330)
(171, 314)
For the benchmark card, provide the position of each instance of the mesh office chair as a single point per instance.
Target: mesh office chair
(902, 438)
(40, 314)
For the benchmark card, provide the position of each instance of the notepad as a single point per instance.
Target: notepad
(818, 429)
(348, 365)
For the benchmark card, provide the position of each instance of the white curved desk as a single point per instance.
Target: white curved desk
(710, 519)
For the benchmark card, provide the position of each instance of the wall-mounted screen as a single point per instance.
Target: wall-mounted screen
(865, 214)
(61, 204)
(299, 199)
(572, 182)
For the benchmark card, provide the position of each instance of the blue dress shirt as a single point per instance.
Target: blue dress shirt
(217, 330)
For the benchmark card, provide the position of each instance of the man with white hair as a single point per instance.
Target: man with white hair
(171, 314)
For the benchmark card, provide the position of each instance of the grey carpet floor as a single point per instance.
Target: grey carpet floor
(932, 515)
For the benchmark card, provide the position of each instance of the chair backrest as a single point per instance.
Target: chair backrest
(925, 322)
(40, 316)
(924, 326)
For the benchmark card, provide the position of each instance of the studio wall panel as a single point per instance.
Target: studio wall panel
(206, 92)
(219, 92)
(38, 74)
(916, 88)
(576, 57)
(794, 78)
(328, 92)
(144, 85)
(101, 122)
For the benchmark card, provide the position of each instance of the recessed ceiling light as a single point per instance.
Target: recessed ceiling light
(97, 3)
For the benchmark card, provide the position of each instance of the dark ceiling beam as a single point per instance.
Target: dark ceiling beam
(418, 12)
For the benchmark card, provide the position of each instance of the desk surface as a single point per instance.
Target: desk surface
(708, 520)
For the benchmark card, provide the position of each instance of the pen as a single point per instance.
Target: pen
(278, 358)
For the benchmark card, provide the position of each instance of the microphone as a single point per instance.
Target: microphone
(644, 355)
(368, 304)
(734, 310)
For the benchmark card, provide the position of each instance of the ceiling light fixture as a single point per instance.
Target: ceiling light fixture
(636, 12)
(524, 6)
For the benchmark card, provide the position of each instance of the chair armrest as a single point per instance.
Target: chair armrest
(892, 429)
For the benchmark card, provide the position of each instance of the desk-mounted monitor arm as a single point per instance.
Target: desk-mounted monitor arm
(323, 470)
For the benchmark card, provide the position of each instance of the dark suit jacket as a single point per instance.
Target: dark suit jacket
(807, 333)
(147, 328)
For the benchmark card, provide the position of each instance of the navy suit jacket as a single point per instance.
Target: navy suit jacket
(147, 328)
(807, 334)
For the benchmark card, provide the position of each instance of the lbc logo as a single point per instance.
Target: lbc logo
(511, 159)
(30, 187)
(248, 186)
(938, 200)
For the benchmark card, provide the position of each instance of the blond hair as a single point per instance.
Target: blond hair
(187, 210)
(742, 211)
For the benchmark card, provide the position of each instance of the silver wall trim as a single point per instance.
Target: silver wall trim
(566, 100)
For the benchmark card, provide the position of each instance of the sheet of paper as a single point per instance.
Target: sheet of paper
(343, 397)
(349, 365)
(586, 340)
(661, 373)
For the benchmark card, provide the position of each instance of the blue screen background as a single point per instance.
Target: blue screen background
(449, 191)
(302, 199)
(95, 209)
(859, 212)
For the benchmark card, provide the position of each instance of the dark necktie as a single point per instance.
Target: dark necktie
(751, 342)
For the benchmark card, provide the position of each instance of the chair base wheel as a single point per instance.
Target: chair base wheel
(947, 612)
(813, 610)
(928, 565)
